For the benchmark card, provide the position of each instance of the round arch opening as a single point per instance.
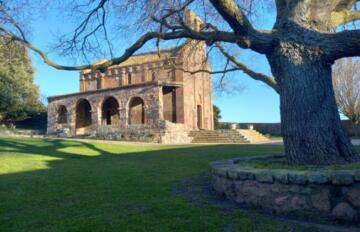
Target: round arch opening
(83, 114)
(110, 111)
(136, 111)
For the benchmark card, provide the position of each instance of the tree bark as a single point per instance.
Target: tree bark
(311, 124)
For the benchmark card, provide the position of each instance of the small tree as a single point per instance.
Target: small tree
(346, 79)
(19, 96)
(217, 116)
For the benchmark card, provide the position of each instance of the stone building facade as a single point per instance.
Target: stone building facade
(150, 97)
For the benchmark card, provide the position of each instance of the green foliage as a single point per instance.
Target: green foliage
(217, 116)
(61, 185)
(19, 96)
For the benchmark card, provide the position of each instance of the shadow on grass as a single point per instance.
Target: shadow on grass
(61, 185)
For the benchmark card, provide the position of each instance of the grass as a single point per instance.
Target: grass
(61, 185)
(282, 164)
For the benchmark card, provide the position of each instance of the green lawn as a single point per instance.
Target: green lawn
(58, 185)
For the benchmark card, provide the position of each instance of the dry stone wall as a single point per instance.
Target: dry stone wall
(333, 195)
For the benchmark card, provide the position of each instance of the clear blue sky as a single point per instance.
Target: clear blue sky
(255, 103)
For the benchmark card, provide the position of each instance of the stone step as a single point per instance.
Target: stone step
(217, 136)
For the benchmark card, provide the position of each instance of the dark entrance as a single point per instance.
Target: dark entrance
(110, 112)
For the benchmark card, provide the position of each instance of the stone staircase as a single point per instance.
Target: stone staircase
(227, 136)
(253, 136)
(217, 136)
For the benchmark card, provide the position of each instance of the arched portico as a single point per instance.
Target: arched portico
(83, 116)
(62, 115)
(110, 112)
(136, 111)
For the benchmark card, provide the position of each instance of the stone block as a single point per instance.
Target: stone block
(353, 195)
(281, 177)
(344, 212)
(342, 178)
(321, 200)
(264, 177)
(297, 177)
(319, 178)
(244, 175)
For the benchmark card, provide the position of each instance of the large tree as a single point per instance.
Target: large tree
(346, 80)
(301, 47)
(19, 96)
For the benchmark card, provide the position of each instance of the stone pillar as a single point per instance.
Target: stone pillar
(72, 117)
(160, 104)
(123, 77)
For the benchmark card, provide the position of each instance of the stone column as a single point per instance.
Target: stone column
(123, 77)
(72, 117)
(160, 104)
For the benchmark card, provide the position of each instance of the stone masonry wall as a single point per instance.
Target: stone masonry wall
(149, 94)
(319, 195)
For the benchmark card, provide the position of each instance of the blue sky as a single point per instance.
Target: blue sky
(254, 103)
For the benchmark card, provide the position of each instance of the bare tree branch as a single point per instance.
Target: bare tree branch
(254, 75)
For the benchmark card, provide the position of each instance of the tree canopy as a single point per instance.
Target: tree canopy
(19, 96)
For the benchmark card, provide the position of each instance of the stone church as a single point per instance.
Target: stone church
(150, 97)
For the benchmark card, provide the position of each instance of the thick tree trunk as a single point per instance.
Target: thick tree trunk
(311, 124)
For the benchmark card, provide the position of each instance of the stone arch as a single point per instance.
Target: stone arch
(62, 114)
(110, 111)
(136, 111)
(83, 114)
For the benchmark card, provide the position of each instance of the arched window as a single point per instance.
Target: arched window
(110, 112)
(83, 114)
(136, 111)
(62, 115)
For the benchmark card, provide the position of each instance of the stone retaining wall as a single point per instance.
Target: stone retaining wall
(333, 195)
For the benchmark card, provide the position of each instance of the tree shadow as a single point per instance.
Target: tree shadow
(58, 188)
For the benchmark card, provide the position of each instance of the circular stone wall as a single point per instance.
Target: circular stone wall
(326, 194)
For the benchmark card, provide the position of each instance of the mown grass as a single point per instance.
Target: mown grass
(61, 185)
(281, 163)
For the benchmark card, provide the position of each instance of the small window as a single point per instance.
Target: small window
(129, 78)
(153, 76)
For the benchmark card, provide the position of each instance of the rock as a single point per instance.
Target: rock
(220, 184)
(298, 202)
(297, 177)
(318, 178)
(244, 175)
(353, 195)
(342, 178)
(281, 177)
(343, 212)
(265, 177)
(321, 200)
(233, 174)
